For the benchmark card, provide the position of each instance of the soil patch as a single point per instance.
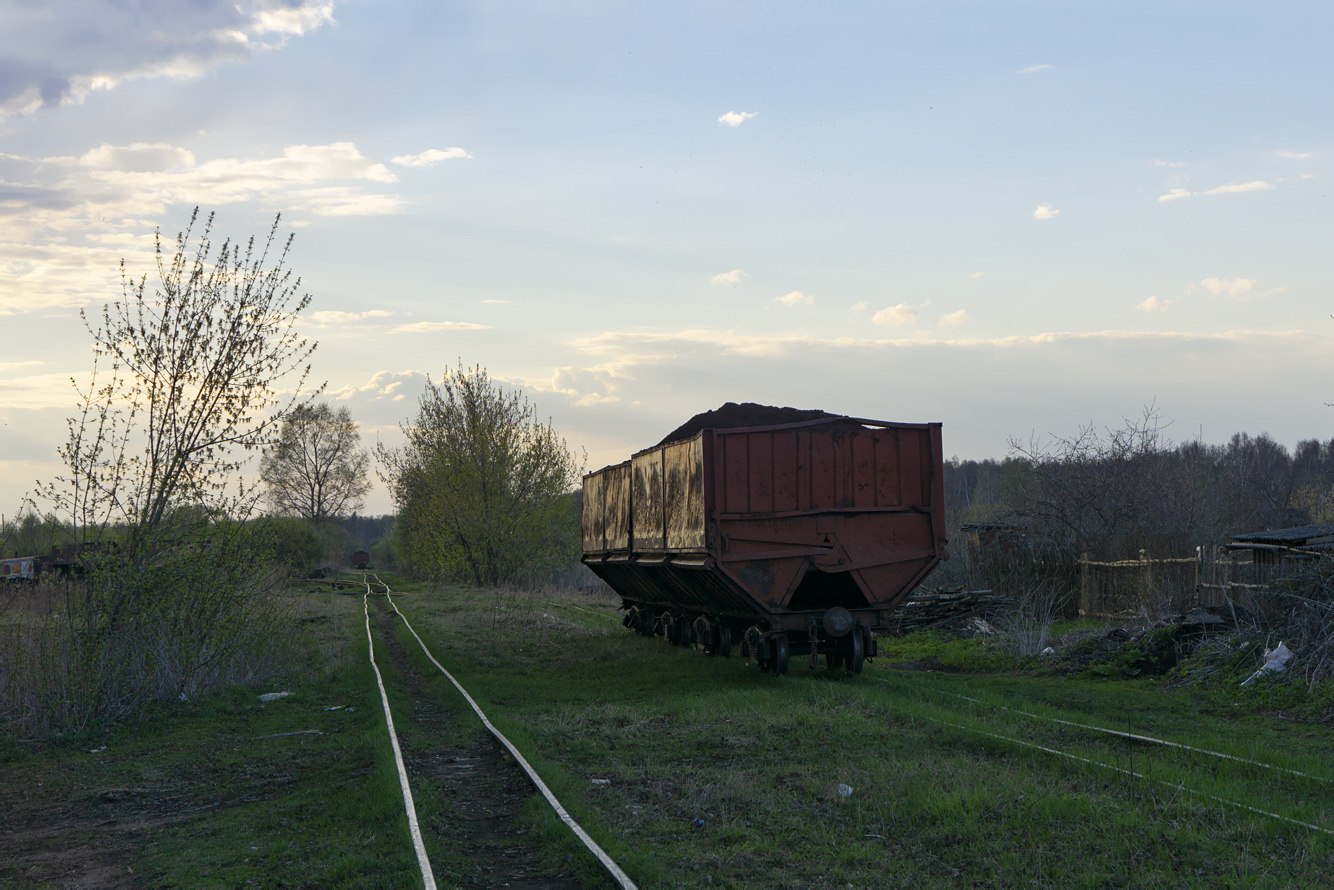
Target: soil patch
(484, 791)
(83, 838)
(733, 415)
(930, 663)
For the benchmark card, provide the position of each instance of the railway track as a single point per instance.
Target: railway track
(482, 791)
(1158, 765)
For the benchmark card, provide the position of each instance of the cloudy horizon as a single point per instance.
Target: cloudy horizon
(1014, 220)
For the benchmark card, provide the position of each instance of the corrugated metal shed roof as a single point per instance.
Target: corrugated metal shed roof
(1296, 536)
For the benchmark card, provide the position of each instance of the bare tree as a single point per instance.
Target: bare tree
(1094, 490)
(317, 470)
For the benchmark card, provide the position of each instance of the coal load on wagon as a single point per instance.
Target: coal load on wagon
(784, 533)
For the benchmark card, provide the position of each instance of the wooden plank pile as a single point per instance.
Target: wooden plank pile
(934, 606)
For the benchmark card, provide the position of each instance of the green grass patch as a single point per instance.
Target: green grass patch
(219, 804)
(723, 776)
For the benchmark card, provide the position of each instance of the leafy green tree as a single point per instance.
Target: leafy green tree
(317, 469)
(291, 544)
(481, 485)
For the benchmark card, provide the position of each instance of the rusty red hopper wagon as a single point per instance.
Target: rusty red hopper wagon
(790, 540)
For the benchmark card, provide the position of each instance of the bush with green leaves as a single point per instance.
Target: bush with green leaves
(483, 488)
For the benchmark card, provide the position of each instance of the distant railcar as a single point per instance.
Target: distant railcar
(22, 568)
(361, 559)
(794, 539)
(65, 560)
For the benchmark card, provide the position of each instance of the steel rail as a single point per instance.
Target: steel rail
(1134, 775)
(1177, 786)
(608, 863)
(428, 877)
(1148, 739)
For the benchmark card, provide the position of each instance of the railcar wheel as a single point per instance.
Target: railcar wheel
(724, 639)
(706, 635)
(683, 631)
(857, 656)
(780, 654)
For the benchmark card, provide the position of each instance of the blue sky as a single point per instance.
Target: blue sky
(1012, 218)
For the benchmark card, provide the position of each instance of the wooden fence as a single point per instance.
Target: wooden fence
(1155, 587)
(1137, 587)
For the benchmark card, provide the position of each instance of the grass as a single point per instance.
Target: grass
(722, 776)
(217, 804)
(719, 776)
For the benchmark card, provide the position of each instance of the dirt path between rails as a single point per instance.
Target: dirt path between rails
(483, 788)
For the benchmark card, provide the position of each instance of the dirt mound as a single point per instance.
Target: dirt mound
(731, 415)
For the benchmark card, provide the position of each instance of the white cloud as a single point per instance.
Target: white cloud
(382, 384)
(1044, 211)
(426, 327)
(1293, 155)
(629, 347)
(587, 386)
(431, 156)
(67, 222)
(137, 157)
(1033, 68)
(1153, 304)
(1235, 188)
(332, 317)
(896, 316)
(736, 118)
(860, 306)
(1233, 287)
(727, 279)
(974, 274)
(954, 319)
(1308, 176)
(1230, 189)
(1158, 162)
(58, 53)
(39, 391)
(795, 298)
(494, 302)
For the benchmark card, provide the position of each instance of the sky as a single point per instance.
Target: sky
(1013, 218)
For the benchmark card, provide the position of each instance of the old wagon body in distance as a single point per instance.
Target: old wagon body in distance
(793, 539)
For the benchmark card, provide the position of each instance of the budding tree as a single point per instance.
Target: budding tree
(317, 469)
(189, 389)
(184, 383)
(483, 488)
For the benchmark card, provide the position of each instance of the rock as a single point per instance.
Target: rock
(844, 790)
(273, 696)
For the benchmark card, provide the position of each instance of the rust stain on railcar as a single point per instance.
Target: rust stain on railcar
(593, 516)
(606, 511)
(616, 504)
(647, 502)
(683, 470)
